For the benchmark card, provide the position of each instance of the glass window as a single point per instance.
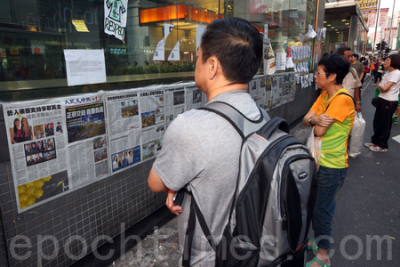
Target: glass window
(32, 40)
(286, 20)
(34, 34)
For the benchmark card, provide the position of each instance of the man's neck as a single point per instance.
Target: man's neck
(225, 88)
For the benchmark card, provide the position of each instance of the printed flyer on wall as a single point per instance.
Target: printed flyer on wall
(37, 145)
(87, 138)
(124, 124)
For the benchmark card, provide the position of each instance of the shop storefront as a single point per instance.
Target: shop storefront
(345, 26)
(141, 57)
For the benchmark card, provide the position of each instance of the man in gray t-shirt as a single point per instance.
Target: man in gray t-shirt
(201, 149)
(358, 66)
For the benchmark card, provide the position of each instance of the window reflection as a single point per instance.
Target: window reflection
(33, 34)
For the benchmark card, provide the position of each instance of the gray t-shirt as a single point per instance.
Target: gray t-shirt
(359, 67)
(202, 148)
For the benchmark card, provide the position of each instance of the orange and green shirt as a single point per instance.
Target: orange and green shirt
(334, 141)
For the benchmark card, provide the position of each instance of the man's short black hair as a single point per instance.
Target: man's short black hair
(395, 61)
(237, 45)
(343, 49)
(335, 64)
(355, 55)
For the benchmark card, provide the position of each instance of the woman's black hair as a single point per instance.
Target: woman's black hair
(15, 127)
(335, 64)
(395, 61)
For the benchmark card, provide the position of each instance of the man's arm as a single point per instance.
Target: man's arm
(357, 94)
(357, 99)
(362, 75)
(155, 183)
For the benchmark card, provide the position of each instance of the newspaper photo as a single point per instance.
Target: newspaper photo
(124, 127)
(87, 138)
(37, 144)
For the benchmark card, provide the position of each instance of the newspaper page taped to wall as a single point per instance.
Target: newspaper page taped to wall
(86, 138)
(124, 127)
(37, 144)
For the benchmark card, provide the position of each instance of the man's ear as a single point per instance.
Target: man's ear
(214, 66)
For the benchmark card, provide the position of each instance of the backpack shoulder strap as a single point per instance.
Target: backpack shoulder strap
(342, 93)
(353, 73)
(242, 124)
(195, 212)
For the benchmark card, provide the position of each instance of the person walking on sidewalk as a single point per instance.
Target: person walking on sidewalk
(332, 116)
(386, 105)
(351, 82)
(372, 68)
(200, 148)
(380, 70)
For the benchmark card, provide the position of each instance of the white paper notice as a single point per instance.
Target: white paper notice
(323, 33)
(175, 55)
(167, 29)
(199, 33)
(159, 52)
(85, 66)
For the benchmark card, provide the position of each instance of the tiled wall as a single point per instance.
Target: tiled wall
(95, 210)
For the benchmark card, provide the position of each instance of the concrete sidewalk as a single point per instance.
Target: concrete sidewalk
(367, 208)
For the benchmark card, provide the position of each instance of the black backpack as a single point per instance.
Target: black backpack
(274, 199)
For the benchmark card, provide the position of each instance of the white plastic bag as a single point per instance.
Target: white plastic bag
(314, 144)
(356, 136)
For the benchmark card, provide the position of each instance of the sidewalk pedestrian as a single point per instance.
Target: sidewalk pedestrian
(386, 105)
(358, 66)
(351, 82)
(372, 68)
(200, 148)
(380, 70)
(332, 116)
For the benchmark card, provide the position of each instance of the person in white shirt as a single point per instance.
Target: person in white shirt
(386, 105)
(351, 82)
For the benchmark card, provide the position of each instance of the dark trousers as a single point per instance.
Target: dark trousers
(378, 75)
(383, 122)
